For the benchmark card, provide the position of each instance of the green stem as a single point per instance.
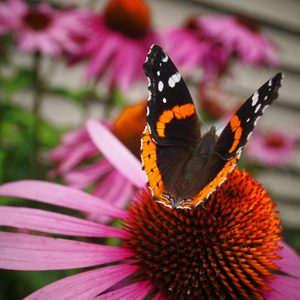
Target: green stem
(111, 101)
(36, 110)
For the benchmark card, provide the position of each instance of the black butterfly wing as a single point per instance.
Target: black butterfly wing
(234, 137)
(171, 114)
(172, 130)
(236, 133)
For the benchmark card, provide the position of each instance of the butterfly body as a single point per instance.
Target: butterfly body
(183, 168)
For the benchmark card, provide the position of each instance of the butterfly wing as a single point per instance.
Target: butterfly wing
(239, 129)
(172, 130)
(171, 114)
(234, 137)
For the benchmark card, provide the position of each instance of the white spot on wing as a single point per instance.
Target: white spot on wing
(248, 120)
(255, 122)
(149, 128)
(149, 81)
(160, 86)
(174, 79)
(257, 108)
(266, 97)
(263, 110)
(148, 111)
(270, 82)
(158, 73)
(149, 96)
(248, 137)
(255, 98)
(165, 59)
(164, 100)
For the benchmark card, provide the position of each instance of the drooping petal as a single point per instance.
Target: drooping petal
(86, 285)
(285, 286)
(83, 177)
(79, 153)
(60, 195)
(20, 251)
(290, 262)
(137, 291)
(118, 155)
(45, 221)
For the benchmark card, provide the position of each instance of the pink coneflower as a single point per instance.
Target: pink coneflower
(118, 41)
(229, 250)
(211, 42)
(190, 49)
(80, 165)
(41, 28)
(240, 37)
(8, 10)
(271, 148)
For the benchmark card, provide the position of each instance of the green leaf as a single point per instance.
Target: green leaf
(20, 80)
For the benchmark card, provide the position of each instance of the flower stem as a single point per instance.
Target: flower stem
(111, 101)
(36, 110)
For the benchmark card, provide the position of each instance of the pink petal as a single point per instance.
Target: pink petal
(86, 285)
(290, 262)
(158, 297)
(283, 287)
(40, 220)
(28, 252)
(286, 286)
(118, 155)
(83, 177)
(77, 155)
(60, 195)
(134, 291)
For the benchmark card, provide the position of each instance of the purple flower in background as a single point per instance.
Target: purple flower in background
(163, 253)
(211, 42)
(240, 37)
(41, 28)
(272, 148)
(117, 43)
(189, 49)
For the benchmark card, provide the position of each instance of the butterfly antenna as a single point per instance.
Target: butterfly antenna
(203, 122)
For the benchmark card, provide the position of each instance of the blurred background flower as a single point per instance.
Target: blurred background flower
(40, 28)
(212, 42)
(79, 164)
(271, 148)
(240, 37)
(118, 40)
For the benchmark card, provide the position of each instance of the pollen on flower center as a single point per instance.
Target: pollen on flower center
(223, 251)
(37, 20)
(131, 18)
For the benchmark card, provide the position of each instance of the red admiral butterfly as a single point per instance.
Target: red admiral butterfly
(183, 167)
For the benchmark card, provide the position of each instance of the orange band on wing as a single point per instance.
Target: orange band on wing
(149, 159)
(211, 187)
(178, 112)
(236, 128)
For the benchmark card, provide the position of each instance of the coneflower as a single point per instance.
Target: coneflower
(229, 249)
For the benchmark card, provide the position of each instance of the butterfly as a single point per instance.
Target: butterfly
(184, 168)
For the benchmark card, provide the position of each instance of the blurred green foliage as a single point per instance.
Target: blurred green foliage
(16, 145)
